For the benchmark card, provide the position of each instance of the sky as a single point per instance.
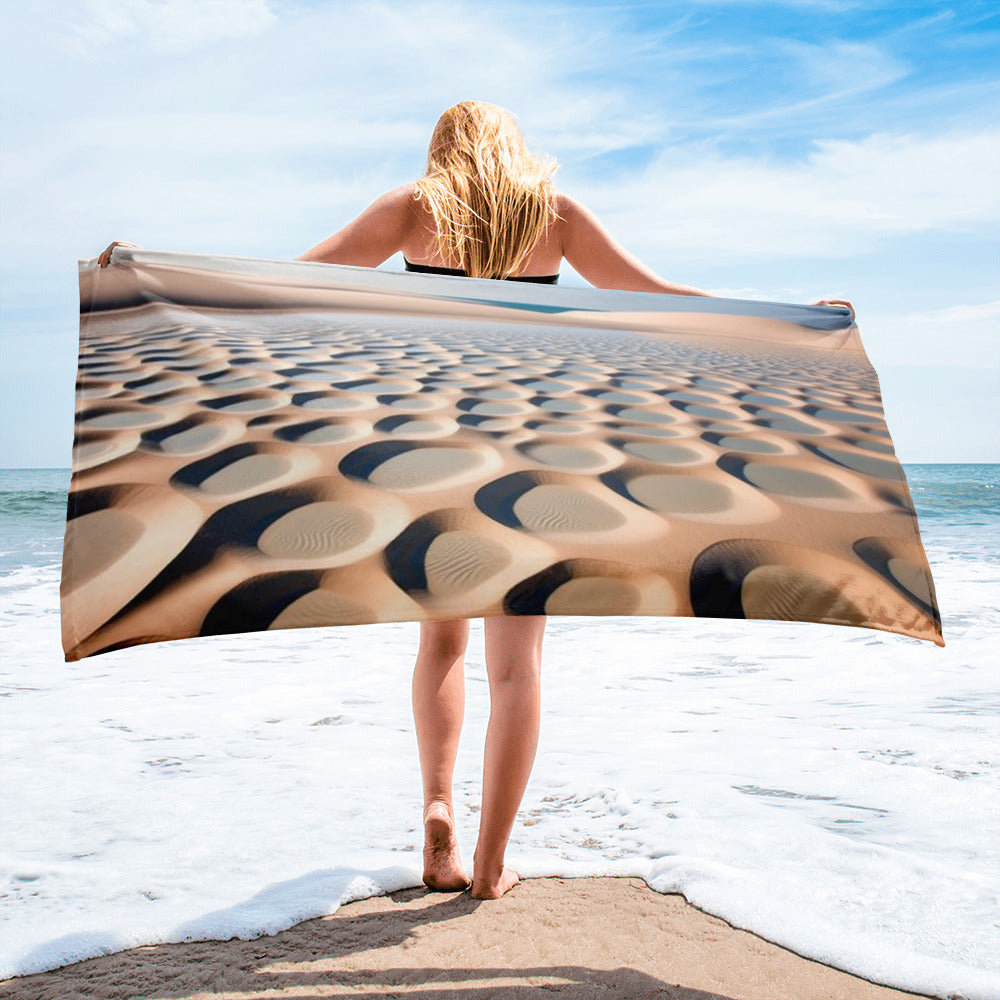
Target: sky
(789, 151)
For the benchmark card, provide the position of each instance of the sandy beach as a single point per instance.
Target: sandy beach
(566, 937)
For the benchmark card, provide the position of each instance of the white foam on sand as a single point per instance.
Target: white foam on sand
(832, 789)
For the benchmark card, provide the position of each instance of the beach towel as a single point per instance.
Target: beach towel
(265, 444)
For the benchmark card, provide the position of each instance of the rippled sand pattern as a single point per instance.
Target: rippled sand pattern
(238, 470)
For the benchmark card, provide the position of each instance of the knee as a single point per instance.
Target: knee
(515, 667)
(444, 641)
(514, 648)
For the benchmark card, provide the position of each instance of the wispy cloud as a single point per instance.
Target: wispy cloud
(162, 25)
(313, 114)
(284, 131)
(844, 198)
(709, 133)
(963, 313)
(825, 73)
(959, 334)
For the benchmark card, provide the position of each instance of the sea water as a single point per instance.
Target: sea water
(835, 790)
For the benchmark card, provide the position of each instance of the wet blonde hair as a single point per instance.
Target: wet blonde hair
(491, 199)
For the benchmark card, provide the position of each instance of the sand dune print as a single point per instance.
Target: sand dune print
(273, 444)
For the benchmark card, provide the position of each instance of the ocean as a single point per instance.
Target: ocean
(835, 790)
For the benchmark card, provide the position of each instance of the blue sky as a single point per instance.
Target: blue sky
(786, 151)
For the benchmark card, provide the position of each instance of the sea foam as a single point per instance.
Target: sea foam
(831, 789)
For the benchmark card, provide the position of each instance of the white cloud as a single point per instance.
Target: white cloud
(304, 122)
(959, 334)
(825, 75)
(829, 5)
(297, 127)
(979, 312)
(253, 127)
(164, 25)
(782, 293)
(842, 67)
(846, 197)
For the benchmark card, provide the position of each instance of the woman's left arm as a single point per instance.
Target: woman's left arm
(836, 302)
(374, 236)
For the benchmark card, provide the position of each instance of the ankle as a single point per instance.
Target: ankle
(439, 809)
(487, 870)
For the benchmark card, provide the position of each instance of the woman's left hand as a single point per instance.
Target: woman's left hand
(836, 302)
(105, 257)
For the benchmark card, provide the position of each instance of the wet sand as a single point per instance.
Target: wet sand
(573, 938)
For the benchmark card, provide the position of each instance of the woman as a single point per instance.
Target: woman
(485, 208)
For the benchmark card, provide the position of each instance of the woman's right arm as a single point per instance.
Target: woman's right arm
(374, 236)
(596, 256)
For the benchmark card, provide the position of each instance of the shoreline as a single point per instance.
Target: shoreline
(611, 935)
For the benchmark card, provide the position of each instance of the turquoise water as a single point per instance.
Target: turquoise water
(958, 502)
(32, 517)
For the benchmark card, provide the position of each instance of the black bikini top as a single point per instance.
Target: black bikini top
(541, 279)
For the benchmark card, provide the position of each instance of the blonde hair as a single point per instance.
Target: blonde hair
(491, 199)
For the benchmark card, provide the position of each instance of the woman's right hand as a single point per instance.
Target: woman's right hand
(105, 257)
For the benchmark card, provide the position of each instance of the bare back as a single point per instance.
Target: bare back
(398, 222)
(419, 245)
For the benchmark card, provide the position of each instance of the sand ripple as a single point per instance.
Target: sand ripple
(554, 508)
(261, 469)
(316, 530)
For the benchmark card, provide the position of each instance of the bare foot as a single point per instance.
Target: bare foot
(494, 888)
(442, 867)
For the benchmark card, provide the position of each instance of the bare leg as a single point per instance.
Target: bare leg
(513, 662)
(438, 709)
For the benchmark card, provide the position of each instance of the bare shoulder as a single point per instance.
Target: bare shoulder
(400, 199)
(374, 236)
(565, 204)
(579, 229)
(394, 212)
(573, 215)
(404, 194)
